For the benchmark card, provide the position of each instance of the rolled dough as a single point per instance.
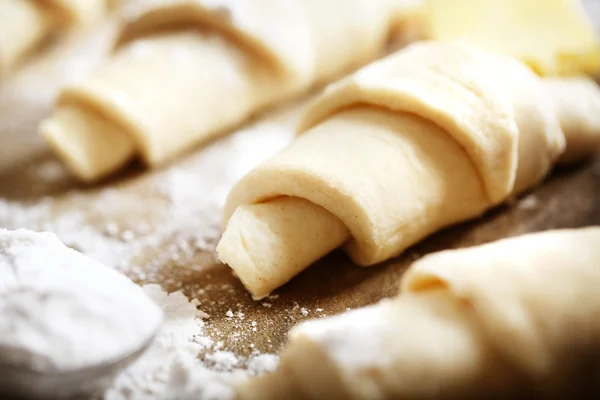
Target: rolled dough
(431, 136)
(516, 318)
(184, 71)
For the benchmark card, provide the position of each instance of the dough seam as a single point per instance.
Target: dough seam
(201, 21)
(348, 92)
(102, 106)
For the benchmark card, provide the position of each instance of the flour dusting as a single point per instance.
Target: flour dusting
(145, 226)
(172, 367)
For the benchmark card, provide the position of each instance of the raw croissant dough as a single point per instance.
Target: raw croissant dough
(25, 23)
(184, 71)
(433, 135)
(515, 316)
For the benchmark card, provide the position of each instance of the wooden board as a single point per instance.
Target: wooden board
(161, 226)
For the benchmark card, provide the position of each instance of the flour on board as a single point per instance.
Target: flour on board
(138, 226)
(172, 369)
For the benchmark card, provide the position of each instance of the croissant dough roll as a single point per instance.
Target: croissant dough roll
(423, 163)
(153, 93)
(431, 136)
(503, 318)
(22, 24)
(26, 23)
(285, 220)
(184, 71)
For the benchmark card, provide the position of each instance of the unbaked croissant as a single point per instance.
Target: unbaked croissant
(184, 71)
(26, 23)
(431, 136)
(516, 317)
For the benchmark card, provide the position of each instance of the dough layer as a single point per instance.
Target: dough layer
(186, 71)
(516, 318)
(428, 137)
(24, 24)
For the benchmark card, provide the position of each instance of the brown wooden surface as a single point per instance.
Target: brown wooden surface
(570, 198)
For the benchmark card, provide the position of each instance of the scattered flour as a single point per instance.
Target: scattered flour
(529, 202)
(48, 171)
(223, 360)
(171, 368)
(263, 363)
(368, 325)
(181, 205)
(179, 211)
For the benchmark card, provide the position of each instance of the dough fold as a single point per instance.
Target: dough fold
(185, 71)
(79, 11)
(24, 24)
(512, 318)
(448, 86)
(431, 136)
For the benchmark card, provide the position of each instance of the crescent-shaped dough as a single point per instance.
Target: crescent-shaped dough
(26, 23)
(513, 317)
(184, 71)
(431, 136)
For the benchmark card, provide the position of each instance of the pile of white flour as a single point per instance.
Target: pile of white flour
(63, 311)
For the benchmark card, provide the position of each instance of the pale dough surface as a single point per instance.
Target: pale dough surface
(270, 232)
(433, 135)
(506, 317)
(389, 186)
(24, 24)
(185, 71)
(153, 92)
(447, 84)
